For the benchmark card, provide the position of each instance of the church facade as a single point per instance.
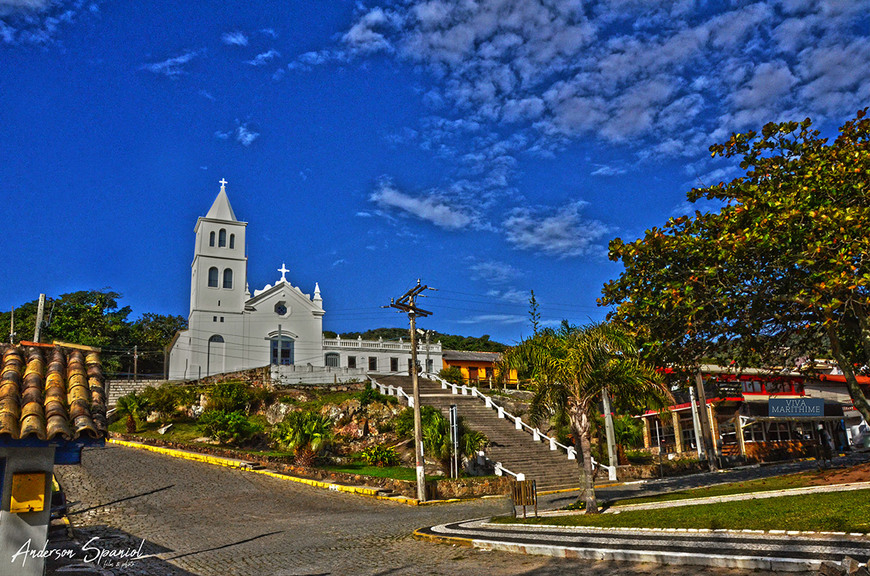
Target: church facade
(230, 329)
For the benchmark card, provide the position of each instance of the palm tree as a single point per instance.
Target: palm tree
(570, 367)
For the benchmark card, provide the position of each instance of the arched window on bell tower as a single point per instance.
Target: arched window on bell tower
(228, 278)
(211, 238)
(213, 277)
(232, 241)
(222, 238)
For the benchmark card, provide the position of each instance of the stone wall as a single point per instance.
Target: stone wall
(117, 388)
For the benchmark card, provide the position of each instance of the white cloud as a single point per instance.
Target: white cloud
(431, 208)
(562, 233)
(235, 38)
(173, 66)
(242, 134)
(263, 58)
(493, 271)
(39, 21)
(623, 71)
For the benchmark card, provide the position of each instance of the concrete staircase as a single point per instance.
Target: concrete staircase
(515, 449)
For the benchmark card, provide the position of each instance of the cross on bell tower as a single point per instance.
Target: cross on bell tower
(283, 270)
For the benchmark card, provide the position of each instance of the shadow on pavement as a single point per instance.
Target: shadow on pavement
(104, 551)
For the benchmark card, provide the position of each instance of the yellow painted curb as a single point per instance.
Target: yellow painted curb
(417, 535)
(239, 465)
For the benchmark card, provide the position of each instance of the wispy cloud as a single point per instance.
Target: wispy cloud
(429, 207)
(562, 233)
(494, 319)
(174, 66)
(263, 58)
(493, 271)
(243, 134)
(604, 170)
(512, 295)
(235, 38)
(25, 22)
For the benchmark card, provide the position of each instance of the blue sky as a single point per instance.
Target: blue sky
(489, 148)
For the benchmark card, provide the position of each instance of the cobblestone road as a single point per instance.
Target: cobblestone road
(199, 519)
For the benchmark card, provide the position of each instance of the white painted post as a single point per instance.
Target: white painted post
(500, 412)
(498, 471)
(521, 477)
(536, 434)
(487, 401)
(443, 385)
(572, 453)
(552, 444)
(481, 458)
(518, 422)
(465, 390)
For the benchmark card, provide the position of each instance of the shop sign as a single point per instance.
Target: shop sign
(796, 407)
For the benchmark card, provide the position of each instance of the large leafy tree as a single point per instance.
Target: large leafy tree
(94, 318)
(778, 275)
(570, 367)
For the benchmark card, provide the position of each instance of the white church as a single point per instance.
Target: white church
(230, 329)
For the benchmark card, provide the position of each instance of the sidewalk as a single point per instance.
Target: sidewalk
(775, 550)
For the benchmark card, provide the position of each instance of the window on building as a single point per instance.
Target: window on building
(232, 241)
(212, 277)
(222, 318)
(394, 364)
(373, 363)
(333, 360)
(752, 387)
(282, 351)
(472, 374)
(211, 238)
(228, 278)
(351, 361)
(430, 366)
(222, 238)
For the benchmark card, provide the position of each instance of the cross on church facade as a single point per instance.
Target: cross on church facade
(223, 183)
(283, 270)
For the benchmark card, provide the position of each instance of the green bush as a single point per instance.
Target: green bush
(380, 455)
(436, 433)
(452, 375)
(370, 395)
(166, 399)
(301, 430)
(228, 427)
(230, 396)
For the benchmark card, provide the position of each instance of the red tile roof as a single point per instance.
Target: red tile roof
(51, 394)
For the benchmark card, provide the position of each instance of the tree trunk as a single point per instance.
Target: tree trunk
(582, 429)
(858, 398)
(706, 427)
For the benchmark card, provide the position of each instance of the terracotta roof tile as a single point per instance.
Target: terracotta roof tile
(51, 394)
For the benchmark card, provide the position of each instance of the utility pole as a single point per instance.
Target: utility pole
(405, 303)
(135, 363)
(40, 312)
(12, 327)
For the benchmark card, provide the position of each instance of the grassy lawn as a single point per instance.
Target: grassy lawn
(833, 511)
(798, 480)
(182, 431)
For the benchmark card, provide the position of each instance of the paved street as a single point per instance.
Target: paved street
(202, 519)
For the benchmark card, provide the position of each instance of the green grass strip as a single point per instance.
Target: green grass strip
(798, 480)
(823, 512)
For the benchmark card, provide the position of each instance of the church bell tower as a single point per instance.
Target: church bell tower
(218, 274)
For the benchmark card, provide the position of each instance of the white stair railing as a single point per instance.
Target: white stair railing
(392, 391)
(537, 435)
